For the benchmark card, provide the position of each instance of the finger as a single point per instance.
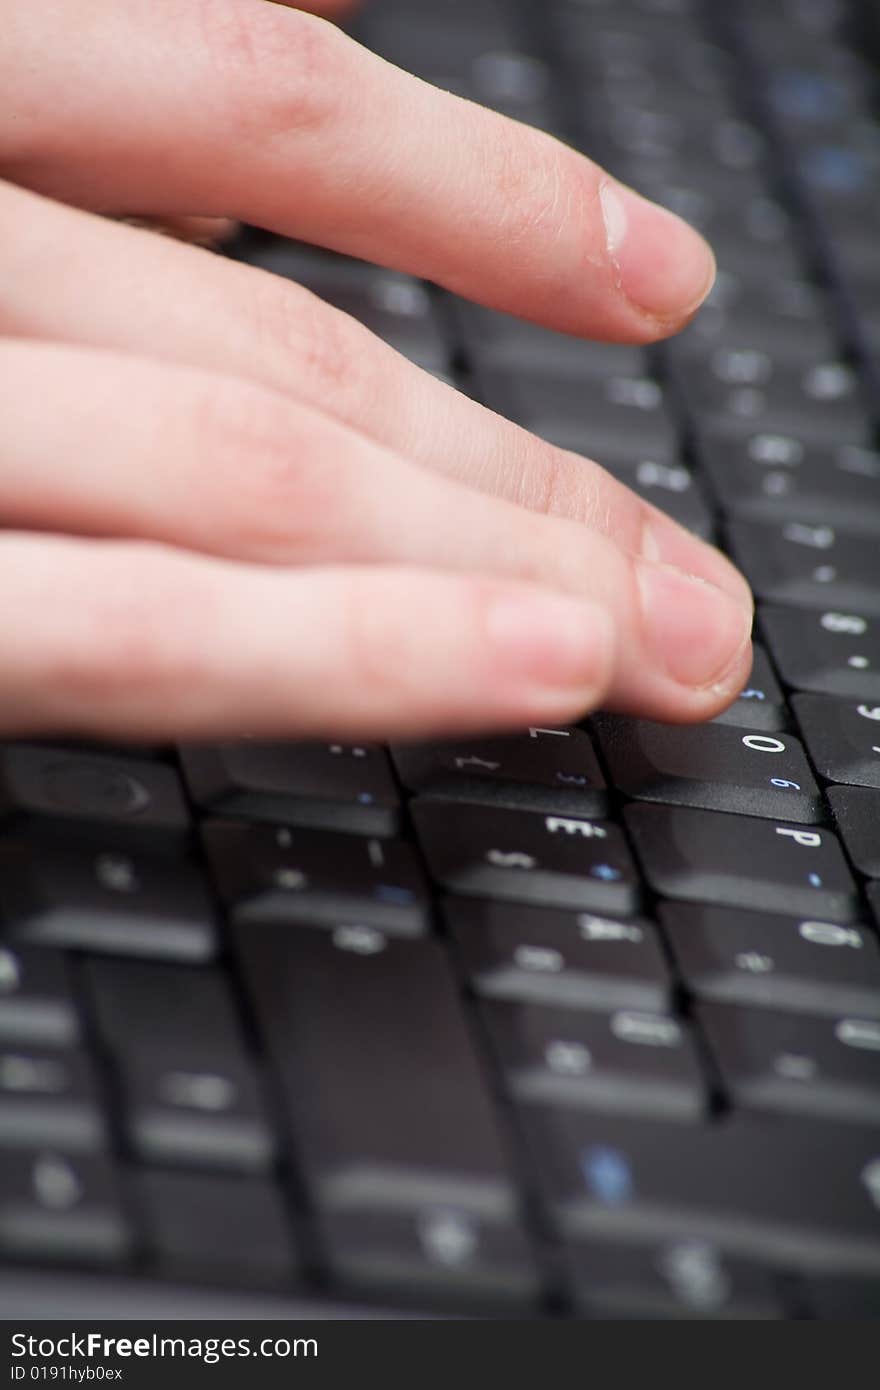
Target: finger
(116, 288)
(150, 643)
(276, 117)
(203, 461)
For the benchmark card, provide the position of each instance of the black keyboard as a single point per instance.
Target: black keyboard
(583, 1022)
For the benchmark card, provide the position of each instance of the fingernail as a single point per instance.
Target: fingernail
(664, 541)
(662, 265)
(549, 641)
(693, 630)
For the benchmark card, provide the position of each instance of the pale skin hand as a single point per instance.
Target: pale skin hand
(225, 505)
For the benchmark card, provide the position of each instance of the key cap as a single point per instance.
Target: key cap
(81, 796)
(330, 786)
(560, 861)
(761, 704)
(716, 766)
(672, 487)
(774, 960)
(275, 874)
(49, 1097)
(545, 770)
(36, 1001)
(744, 1188)
(214, 1227)
(626, 1061)
(821, 1067)
(56, 1205)
(829, 653)
(118, 901)
(544, 955)
(789, 320)
(612, 416)
(856, 813)
(843, 1299)
(686, 1278)
(742, 861)
(382, 1091)
(738, 393)
(811, 566)
(190, 1091)
(772, 477)
(840, 739)
(502, 343)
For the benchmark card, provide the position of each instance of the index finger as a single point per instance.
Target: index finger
(248, 109)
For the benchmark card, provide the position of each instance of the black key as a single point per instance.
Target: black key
(821, 1067)
(670, 486)
(519, 855)
(36, 1001)
(789, 320)
(716, 766)
(190, 1090)
(613, 415)
(331, 786)
(543, 955)
(742, 861)
(213, 1227)
(502, 343)
(766, 477)
(443, 1253)
(779, 962)
(543, 770)
(382, 1090)
(849, 1300)
(748, 393)
(813, 566)
(118, 901)
(786, 1191)
(61, 1206)
(761, 703)
(85, 796)
(857, 817)
(275, 874)
(49, 1097)
(686, 1278)
(829, 653)
(628, 1061)
(841, 739)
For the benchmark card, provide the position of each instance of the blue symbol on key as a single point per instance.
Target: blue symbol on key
(608, 1175)
(606, 872)
(390, 893)
(815, 880)
(366, 798)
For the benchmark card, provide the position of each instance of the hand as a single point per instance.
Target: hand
(226, 505)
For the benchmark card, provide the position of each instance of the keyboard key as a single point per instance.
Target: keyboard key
(560, 861)
(821, 1067)
(61, 1206)
(748, 393)
(569, 959)
(813, 566)
(788, 320)
(85, 796)
(381, 1087)
(277, 874)
(829, 653)
(789, 1192)
(115, 901)
(857, 818)
(767, 477)
(213, 1227)
(627, 1061)
(743, 862)
(502, 343)
(36, 1000)
(840, 739)
(49, 1097)
(671, 487)
(761, 703)
(544, 770)
(715, 766)
(686, 1278)
(843, 1300)
(775, 961)
(190, 1092)
(330, 786)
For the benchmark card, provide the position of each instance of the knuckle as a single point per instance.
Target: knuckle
(278, 67)
(381, 655)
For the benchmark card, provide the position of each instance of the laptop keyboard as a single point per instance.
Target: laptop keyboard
(579, 1022)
